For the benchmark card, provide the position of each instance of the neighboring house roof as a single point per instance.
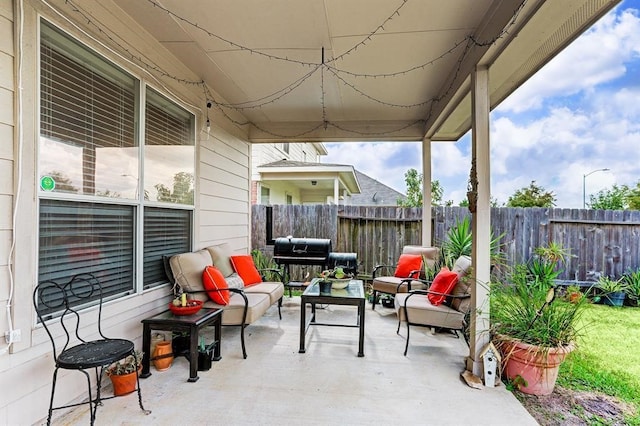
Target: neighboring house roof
(374, 193)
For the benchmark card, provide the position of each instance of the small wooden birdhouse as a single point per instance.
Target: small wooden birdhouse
(491, 359)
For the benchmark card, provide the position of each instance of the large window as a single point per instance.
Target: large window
(94, 200)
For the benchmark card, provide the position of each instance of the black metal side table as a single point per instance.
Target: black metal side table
(187, 323)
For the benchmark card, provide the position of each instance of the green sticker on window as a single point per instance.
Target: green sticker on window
(47, 183)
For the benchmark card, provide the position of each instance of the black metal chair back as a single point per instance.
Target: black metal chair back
(61, 302)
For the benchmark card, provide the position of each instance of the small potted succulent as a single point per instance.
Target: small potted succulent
(123, 374)
(333, 278)
(205, 355)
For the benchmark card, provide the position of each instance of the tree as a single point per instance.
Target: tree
(634, 197)
(63, 183)
(413, 180)
(532, 196)
(182, 189)
(616, 198)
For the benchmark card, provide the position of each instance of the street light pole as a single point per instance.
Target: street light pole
(584, 185)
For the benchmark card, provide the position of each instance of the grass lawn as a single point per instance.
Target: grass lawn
(608, 356)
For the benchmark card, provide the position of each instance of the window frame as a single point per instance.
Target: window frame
(139, 204)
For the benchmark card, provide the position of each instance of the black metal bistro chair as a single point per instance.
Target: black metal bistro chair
(60, 303)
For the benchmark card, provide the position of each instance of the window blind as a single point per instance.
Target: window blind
(78, 237)
(166, 232)
(85, 101)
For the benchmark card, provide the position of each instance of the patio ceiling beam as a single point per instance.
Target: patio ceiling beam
(498, 17)
(346, 131)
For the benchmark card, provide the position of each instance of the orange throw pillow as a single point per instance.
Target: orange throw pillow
(244, 266)
(216, 286)
(442, 283)
(408, 263)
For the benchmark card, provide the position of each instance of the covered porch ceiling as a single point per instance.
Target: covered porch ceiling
(345, 70)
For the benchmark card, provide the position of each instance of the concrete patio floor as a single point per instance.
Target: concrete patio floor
(328, 384)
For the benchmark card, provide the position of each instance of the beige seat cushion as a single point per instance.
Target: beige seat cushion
(429, 254)
(258, 304)
(463, 287)
(221, 257)
(421, 311)
(274, 289)
(390, 285)
(187, 269)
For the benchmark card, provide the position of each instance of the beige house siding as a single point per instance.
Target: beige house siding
(269, 153)
(7, 84)
(221, 204)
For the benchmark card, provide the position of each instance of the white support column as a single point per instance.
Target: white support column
(336, 191)
(481, 219)
(426, 192)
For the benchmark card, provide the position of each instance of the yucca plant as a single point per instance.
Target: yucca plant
(459, 241)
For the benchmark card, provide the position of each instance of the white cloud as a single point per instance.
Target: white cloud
(590, 120)
(597, 57)
(384, 161)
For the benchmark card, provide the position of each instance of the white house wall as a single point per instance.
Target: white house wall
(7, 84)
(221, 205)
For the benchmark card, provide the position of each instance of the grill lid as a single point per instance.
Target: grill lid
(301, 251)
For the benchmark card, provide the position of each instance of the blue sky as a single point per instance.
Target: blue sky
(580, 113)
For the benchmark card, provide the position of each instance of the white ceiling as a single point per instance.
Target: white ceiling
(267, 54)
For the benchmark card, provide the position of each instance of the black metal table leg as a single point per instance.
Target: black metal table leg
(146, 348)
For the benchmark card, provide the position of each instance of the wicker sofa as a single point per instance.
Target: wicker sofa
(246, 304)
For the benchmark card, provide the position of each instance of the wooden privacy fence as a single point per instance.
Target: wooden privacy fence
(600, 241)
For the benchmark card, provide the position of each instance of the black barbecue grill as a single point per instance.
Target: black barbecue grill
(301, 251)
(309, 251)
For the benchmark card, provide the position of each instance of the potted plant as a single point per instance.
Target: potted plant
(205, 355)
(533, 330)
(632, 287)
(573, 293)
(613, 290)
(333, 278)
(123, 374)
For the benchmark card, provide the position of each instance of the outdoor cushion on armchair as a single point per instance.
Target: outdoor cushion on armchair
(444, 305)
(410, 265)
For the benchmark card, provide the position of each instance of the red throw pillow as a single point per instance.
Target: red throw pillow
(442, 283)
(244, 266)
(216, 286)
(408, 263)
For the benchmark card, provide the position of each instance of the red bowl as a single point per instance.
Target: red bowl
(187, 310)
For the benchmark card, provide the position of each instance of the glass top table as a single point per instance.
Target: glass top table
(352, 295)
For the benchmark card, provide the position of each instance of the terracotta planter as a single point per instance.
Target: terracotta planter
(532, 370)
(163, 356)
(123, 384)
